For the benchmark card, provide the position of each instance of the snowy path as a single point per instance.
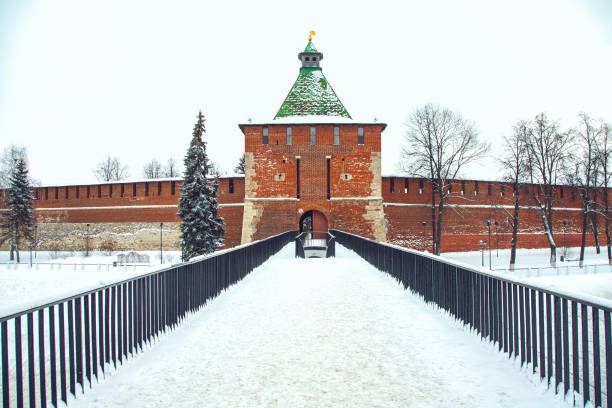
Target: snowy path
(319, 332)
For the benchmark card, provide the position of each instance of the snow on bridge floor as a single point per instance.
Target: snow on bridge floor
(319, 332)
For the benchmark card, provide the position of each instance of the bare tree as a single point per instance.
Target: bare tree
(513, 163)
(584, 174)
(111, 169)
(10, 156)
(239, 169)
(172, 168)
(547, 154)
(604, 149)
(152, 170)
(439, 143)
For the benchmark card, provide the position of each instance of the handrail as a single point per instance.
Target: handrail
(524, 320)
(83, 335)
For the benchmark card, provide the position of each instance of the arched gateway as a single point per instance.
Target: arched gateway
(314, 221)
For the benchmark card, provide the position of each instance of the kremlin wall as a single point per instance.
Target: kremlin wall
(312, 167)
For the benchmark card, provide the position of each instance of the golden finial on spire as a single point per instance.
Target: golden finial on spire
(310, 36)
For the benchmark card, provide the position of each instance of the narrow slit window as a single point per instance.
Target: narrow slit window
(88, 191)
(421, 186)
(110, 190)
(37, 194)
(476, 188)
(289, 136)
(231, 186)
(99, 191)
(172, 187)
(265, 135)
(336, 135)
(501, 190)
(134, 190)
(76, 191)
(489, 188)
(298, 177)
(406, 186)
(561, 192)
(122, 189)
(66, 192)
(159, 188)
(313, 135)
(462, 187)
(146, 189)
(328, 179)
(46, 193)
(392, 184)
(56, 193)
(360, 135)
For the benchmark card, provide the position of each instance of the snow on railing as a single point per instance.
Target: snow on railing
(62, 347)
(556, 334)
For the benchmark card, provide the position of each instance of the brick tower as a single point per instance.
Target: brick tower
(313, 167)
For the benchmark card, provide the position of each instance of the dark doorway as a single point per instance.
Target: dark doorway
(314, 221)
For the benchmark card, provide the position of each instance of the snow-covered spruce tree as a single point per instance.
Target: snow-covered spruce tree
(18, 221)
(202, 229)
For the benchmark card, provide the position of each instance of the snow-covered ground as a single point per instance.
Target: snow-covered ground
(533, 265)
(59, 275)
(319, 332)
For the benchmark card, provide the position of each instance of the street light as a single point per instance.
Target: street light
(423, 223)
(564, 245)
(161, 250)
(489, 226)
(87, 241)
(35, 239)
(497, 239)
(483, 245)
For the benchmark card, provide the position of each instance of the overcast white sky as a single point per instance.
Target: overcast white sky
(81, 79)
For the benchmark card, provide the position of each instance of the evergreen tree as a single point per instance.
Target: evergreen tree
(202, 229)
(19, 221)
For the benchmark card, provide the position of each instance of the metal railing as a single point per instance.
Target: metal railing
(71, 343)
(558, 335)
(309, 243)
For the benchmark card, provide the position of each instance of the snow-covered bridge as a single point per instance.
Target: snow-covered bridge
(330, 332)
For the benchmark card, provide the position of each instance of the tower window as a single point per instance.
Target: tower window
(336, 135)
(289, 136)
(328, 179)
(314, 58)
(308, 59)
(231, 186)
(265, 135)
(313, 135)
(297, 170)
(360, 136)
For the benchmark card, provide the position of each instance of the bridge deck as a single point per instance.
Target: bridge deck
(319, 332)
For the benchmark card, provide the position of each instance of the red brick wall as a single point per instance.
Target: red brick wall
(272, 173)
(465, 224)
(153, 201)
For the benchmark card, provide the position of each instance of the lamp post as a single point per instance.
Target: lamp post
(496, 239)
(423, 223)
(161, 247)
(564, 245)
(87, 241)
(489, 226)
(483, 245)
(35, 239)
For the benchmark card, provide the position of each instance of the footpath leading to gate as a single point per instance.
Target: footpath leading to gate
(319, 332)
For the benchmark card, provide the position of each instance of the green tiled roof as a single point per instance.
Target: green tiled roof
(311, 94)
(310, 47)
